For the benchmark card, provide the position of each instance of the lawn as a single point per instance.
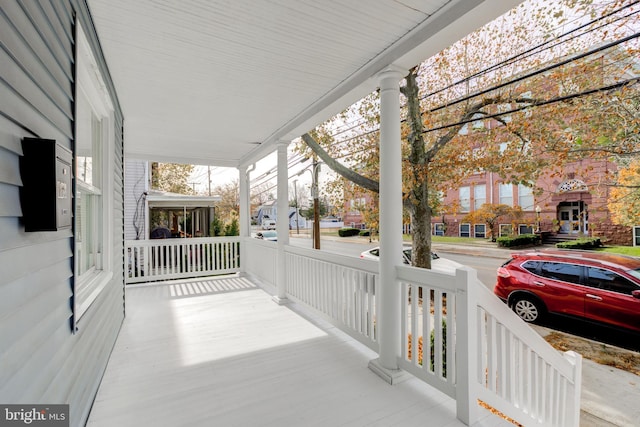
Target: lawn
(624, 250)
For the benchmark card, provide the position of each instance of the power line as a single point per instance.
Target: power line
(511, 60)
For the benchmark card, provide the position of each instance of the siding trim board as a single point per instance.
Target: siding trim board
(44, 360)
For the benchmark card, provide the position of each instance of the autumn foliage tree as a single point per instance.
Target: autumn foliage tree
(491, 214)
(171, 177)
(624, 202)
(556, 91)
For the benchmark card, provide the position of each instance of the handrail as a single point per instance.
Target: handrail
(341, 289)
(479, 352)
(163, 259)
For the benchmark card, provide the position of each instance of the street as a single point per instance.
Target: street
(485, 266)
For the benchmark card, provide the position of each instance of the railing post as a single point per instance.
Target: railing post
(467, 346)
(575, 360)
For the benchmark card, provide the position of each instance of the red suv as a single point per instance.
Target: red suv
(595, 286)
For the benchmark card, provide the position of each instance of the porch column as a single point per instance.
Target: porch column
(282, 222)
(390, 226)
(245, 221)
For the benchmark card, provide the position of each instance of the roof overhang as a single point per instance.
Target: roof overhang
(220, 83)
(158, 199)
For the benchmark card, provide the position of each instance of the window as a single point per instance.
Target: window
(356, 205)
(561, 271)
(93, 138)
(525, 197)
(531, 266)
(88, 215)
(438, 229)
(479, 230)
(525, 229)
(636, 236)
(506, 229)
(465, 230)
(479, 195)
(506, 194)
(609, 281)
(465, 198)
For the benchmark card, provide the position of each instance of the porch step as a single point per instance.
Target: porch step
(553, 238)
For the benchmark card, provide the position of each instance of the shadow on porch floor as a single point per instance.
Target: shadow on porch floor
(221, 352)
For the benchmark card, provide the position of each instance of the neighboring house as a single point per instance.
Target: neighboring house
(572, 205)
(146, 209)
(269, 212)
(356, 202)
(62, 290)
(353, 210)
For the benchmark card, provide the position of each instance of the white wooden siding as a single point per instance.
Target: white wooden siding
(135, 185)
(41, 359)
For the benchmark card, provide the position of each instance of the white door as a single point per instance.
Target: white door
(569, 219)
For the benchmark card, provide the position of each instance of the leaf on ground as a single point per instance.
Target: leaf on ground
(603, 354)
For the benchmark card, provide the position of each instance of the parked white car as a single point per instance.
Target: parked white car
(267, 235)
(268, 224)
(437, 263)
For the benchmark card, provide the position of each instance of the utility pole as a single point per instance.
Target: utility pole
(316, 207)
(295, 195)
(209, 178)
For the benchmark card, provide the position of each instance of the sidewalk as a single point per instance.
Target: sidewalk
(609, 395)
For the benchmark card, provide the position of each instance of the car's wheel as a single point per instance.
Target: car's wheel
(528, 308)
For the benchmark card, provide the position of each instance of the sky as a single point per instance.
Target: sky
(265, 172)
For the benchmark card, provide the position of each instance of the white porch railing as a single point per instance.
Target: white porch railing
(481, 352)
(163, 259)
(468, 344)
(472, 347)
(330, 284)
(261, 259)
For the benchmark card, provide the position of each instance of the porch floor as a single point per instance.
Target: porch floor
(220, 351)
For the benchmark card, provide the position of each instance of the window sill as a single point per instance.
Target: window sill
(88, 290)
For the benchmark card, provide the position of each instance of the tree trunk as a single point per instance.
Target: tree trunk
(419, 207)
(421, 227)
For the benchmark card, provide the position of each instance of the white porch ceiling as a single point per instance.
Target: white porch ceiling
(219, 82)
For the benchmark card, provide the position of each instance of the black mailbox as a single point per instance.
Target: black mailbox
(46, 193)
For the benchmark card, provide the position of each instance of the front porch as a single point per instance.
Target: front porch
(219, 351)
(293, 349)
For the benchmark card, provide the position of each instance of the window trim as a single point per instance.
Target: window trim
(501, 226)
(529, 195)
(500, 195)
(90, 83)
(484, 233)
(525, 225)
(468, 224)
(477, 205)
(464, 208)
